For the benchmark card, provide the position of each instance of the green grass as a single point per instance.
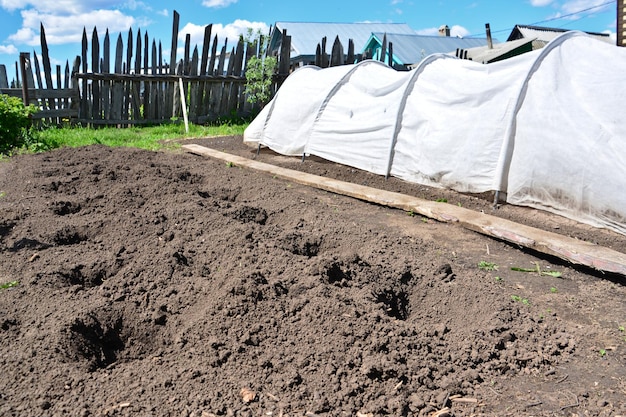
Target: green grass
(150, 138)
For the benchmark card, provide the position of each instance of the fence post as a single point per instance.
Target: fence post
(24, 61)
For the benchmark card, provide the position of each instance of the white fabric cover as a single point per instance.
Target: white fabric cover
(547, 128)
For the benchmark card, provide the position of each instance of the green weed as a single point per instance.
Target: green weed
(10, 284)
(487, 266)
(538, 270)
(517, 298)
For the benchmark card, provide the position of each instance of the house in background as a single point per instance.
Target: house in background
(496, 52)
(542, 35)
(523, 38)
(621, 23)
(410, 49)
(306, 36)
(407, 48)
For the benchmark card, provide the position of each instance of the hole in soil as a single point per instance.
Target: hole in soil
(226, 194)
(301, 245)
(253, 287)
(69, 236)
(5, 228)
(336, 275)
(181, 259)
(396, 304)
(445, 273)
(280, 289)
(8, 323)
(248, 214)
(84, 276)
(96, 338)
(63, 208)
(28, 243)
(188, 177)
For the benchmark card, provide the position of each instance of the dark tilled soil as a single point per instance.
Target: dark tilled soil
(168, 284)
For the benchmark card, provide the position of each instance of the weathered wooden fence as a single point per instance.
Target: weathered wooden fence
(136, 86)
(339, 57)
(55, 105)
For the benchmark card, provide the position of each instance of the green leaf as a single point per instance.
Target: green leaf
(10, 284)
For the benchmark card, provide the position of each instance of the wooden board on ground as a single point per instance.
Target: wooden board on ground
(572, 250)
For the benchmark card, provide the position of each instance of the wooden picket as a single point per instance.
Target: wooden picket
(339, 57)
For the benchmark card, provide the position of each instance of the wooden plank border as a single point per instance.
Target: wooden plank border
(571, 250)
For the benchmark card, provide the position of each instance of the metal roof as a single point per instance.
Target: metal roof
(547, 34)
(485, 55)
(412, 48)
(306, 36)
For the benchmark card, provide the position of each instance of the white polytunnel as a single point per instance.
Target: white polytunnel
(545, 129)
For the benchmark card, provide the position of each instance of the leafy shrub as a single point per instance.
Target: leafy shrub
(259, 77)
(14, 122)
(259, 71)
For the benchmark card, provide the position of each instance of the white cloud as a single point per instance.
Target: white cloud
(62, 29)
(540, 3)
(428, 31)
(573, 6)
(612, 36)
(577, 9)
(218, 3)
(458, 31)
(24, 36)
(59, 6)
(164, 12)
(232, 31)
(455, 30)
(8, 49)
(136, 4)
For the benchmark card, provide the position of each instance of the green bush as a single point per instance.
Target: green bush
(259, 77)
(259, 71)
(14, 122)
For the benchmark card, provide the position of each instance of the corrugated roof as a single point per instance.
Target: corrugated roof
(305, 36)
(547, 34)
(484, 54)
(412, 48)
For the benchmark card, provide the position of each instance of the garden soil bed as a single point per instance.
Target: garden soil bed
(170, 284)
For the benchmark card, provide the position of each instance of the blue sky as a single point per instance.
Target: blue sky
(64, 19)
